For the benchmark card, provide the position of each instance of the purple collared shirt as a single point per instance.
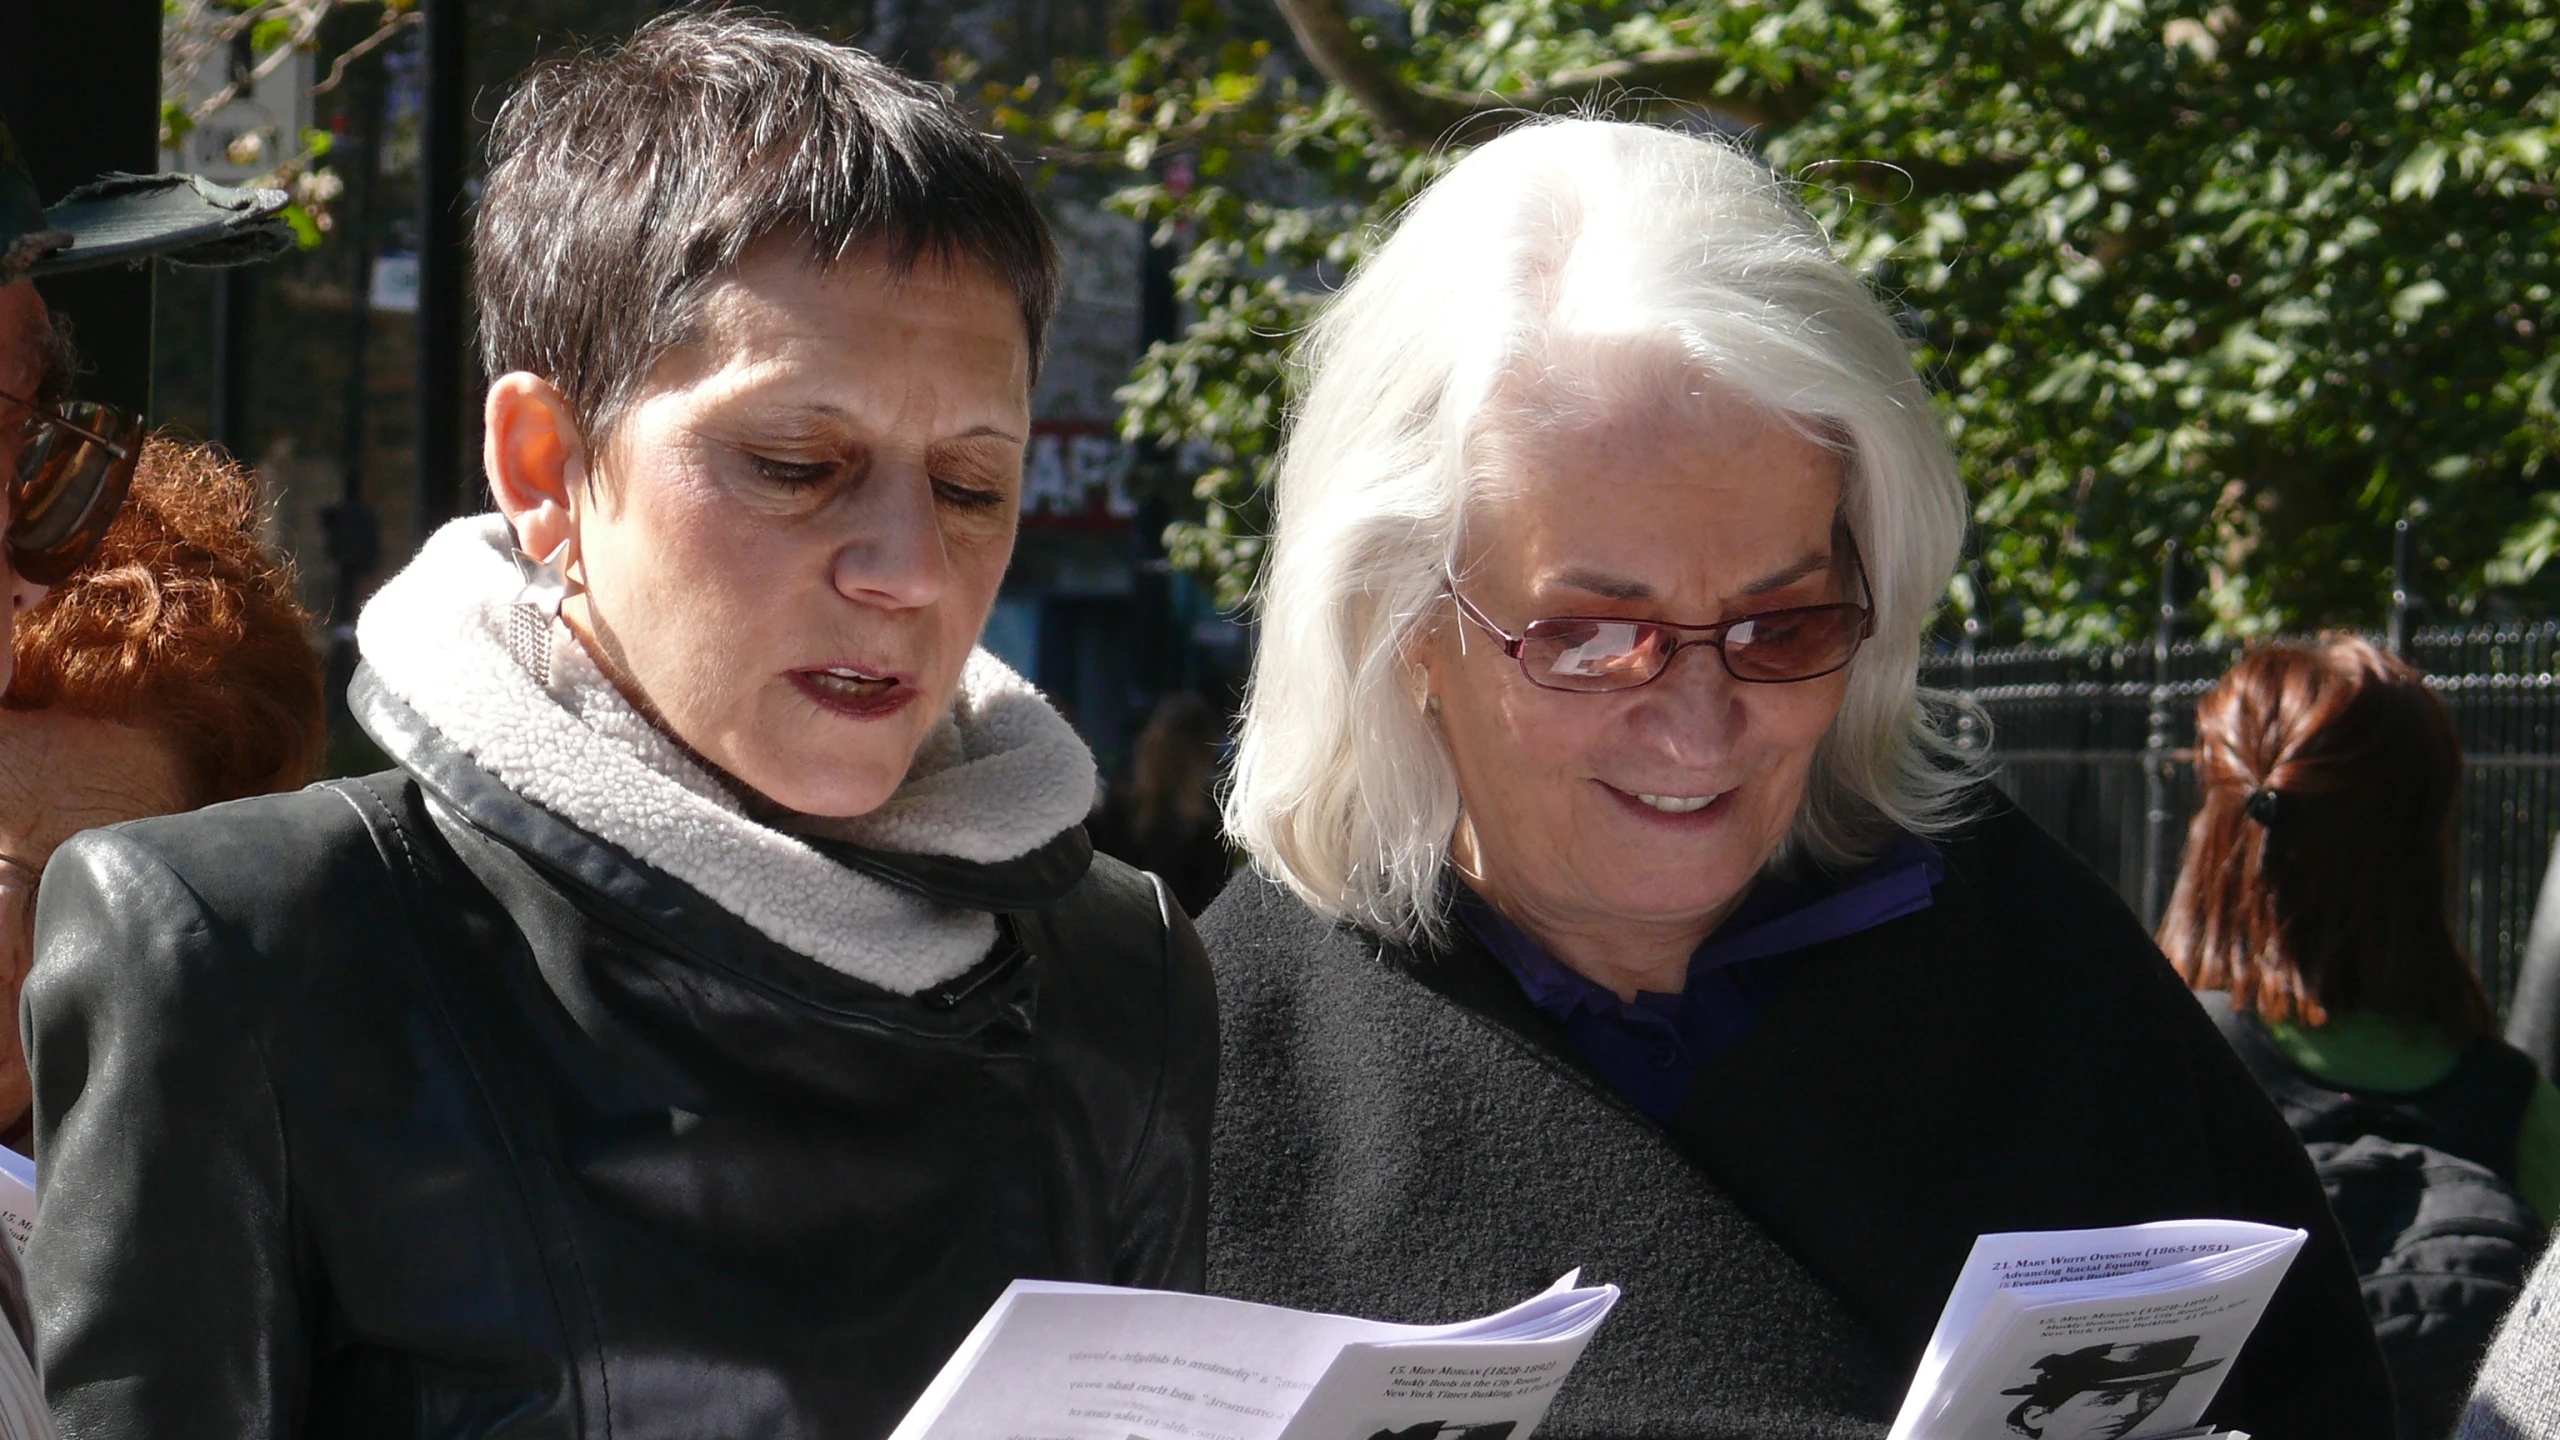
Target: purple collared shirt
(1650, 1048)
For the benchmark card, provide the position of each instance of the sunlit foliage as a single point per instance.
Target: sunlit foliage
(2258, 278)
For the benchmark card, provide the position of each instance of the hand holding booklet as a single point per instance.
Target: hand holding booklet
(2120, 1334)
(1054, 1361)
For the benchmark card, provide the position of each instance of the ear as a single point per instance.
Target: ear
(1422, 654)
(537, 463)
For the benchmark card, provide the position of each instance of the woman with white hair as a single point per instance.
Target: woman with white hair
(1619, 902)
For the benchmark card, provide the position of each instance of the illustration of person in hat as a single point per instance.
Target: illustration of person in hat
(65, 463)
(1450, 1430)
(2101, 1392)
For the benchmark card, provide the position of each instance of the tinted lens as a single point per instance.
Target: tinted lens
(1592, 654)
(17, 916)
(69, 487)
(1793, 644)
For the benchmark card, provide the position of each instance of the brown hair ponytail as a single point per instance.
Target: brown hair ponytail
(2318, 869)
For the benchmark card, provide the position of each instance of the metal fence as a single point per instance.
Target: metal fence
(2096, 745)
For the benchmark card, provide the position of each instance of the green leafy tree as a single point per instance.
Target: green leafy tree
(2261, 279)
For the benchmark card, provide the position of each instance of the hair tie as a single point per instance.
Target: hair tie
(2261, 805)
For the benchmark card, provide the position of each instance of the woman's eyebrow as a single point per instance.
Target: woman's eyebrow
(815, 419)
(1781, 579)
(1604, 585)
(1619, 587)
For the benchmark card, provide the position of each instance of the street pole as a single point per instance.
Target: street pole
(2156, 758)
(231, 302)
(355, 537)
(1969, 734)
(2403, 601)
(443, 139)
(231, 305)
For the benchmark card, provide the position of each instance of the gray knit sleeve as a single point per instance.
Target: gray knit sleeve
(2518, 1394)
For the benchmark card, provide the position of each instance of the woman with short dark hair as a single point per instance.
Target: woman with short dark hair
(720, 1003)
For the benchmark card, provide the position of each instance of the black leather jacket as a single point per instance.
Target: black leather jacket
(400, 1107)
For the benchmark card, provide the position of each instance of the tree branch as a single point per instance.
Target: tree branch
(1424, 114)
(393, 22)
(1419, 115)
(1690, 77)
(1400, 112)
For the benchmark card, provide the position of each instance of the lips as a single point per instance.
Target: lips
(1677, 809)
(855, 692)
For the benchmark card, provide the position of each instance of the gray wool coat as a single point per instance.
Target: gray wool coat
(2518, 1395)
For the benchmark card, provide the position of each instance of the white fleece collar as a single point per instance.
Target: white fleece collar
(1000, 776)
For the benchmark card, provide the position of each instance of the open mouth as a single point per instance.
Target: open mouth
(848, 684)
(847, 690)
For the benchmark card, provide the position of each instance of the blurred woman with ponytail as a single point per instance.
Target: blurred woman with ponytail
(2316, 894)
(2313, 918)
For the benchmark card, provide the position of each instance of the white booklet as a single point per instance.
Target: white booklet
(22, 1410)
(17, 1198)
(2119, 1334)
(1054, 1361)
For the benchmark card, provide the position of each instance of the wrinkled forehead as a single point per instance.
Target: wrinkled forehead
(1558, 400)
(1638, 445)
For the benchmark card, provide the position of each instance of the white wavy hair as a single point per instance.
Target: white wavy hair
(1555, 241)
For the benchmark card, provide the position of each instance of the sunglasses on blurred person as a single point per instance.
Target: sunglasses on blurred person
(79, 456)
(72, 476)
(17, 914)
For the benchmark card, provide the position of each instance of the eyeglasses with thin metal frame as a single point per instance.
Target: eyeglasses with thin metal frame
(1597, 654)
(73, 472)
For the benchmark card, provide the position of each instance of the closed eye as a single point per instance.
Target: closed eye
(967, 497)
(792, 474)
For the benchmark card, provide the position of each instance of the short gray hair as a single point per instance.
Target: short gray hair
(1565, 230)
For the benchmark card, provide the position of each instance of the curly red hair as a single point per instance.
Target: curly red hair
(185, 624)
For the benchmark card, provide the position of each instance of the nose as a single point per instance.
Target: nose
(1693, 712)
(895, 556)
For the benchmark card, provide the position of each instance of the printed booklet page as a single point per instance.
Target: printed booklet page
(2072, 1334)
(1054, 1361)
